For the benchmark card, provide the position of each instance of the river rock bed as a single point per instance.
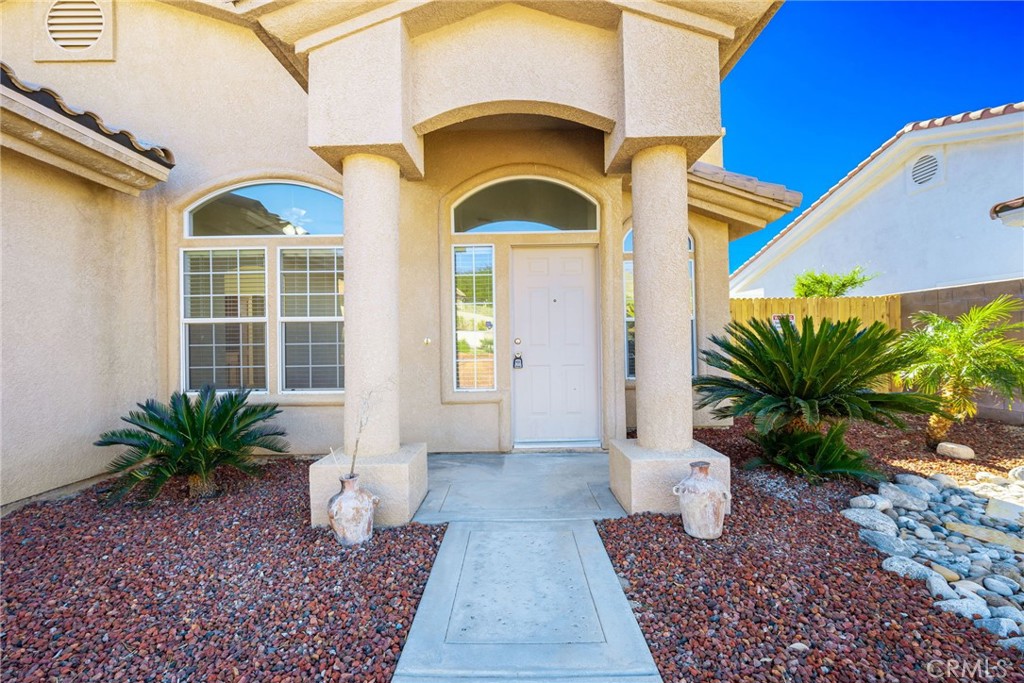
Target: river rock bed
(935, 530)
(234, 588)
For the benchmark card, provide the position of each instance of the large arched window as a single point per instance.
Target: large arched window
(518, 205)
(627, 279)
(262, 290)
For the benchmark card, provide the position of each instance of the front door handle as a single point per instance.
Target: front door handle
(517, 362)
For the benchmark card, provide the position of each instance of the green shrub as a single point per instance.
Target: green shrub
(190, 438)
(812, 455)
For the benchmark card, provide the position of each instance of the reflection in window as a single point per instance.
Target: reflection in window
(225, 319)
(627, 283)
(269, 209)
(525, 205)
(474, 318)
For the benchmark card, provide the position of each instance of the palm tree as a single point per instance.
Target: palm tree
(958, 357)
(190, 438)
(795, 380)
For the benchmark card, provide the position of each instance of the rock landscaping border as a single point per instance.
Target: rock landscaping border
(937, 531)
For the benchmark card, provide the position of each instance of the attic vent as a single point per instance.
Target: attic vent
(924, 169)
(75, 24)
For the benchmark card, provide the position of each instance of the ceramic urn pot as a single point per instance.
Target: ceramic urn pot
(351, 512)
(702, 502)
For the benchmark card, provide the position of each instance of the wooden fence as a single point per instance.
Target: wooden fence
(869, 309)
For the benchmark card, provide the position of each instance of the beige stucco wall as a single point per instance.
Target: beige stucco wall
(89, 303)
(81, 320)
(109, 263)
(465, 66)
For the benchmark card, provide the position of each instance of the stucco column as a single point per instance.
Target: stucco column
(664, 403)
(371, 305)
(394, 472)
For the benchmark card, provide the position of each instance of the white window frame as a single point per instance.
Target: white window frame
(282, 319)
(455, 317)
(626, 319)
(190, 209)
(547, 179)
(184, 321)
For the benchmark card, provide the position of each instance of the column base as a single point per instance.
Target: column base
(398, 479)
(642, 479)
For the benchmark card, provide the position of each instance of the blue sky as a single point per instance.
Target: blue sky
(319, 213)
(826, 83)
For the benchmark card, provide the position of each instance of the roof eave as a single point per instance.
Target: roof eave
(36, 131)
(743, 211)
(730, 57)
(289, 38)
(945, 129)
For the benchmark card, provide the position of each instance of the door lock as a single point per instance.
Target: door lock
(517, 362)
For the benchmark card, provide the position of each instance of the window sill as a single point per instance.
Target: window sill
(293, 398)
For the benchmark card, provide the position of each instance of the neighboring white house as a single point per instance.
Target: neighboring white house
(915, 213)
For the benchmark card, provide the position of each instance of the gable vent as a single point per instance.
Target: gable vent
(924, 169)
(75, 24)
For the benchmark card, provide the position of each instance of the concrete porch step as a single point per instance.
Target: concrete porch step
(522, 487)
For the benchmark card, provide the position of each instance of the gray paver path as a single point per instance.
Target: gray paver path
(522, 587)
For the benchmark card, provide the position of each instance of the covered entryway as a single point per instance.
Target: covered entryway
(554, 347)
(490, 151)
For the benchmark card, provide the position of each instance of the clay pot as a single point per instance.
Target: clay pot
(702, 502)
(351, 512)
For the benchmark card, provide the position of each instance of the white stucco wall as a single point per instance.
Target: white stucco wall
(913, 237)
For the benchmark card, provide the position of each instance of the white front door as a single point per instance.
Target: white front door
(554, 339)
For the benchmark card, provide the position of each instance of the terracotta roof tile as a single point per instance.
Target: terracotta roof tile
(51, 100)
(717, 174)
(988, 113)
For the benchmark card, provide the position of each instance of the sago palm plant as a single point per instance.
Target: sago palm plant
(813, 455)
(797, 379)
(956, 358)
(191, 438)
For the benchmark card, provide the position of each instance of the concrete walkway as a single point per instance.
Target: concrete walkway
(522, 587)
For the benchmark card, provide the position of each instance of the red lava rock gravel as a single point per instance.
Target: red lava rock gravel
(999, 447)
(235, 588)
(789, 570)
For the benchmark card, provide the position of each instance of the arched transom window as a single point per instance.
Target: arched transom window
(519, 205)
(627, 279)
(262, 290)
